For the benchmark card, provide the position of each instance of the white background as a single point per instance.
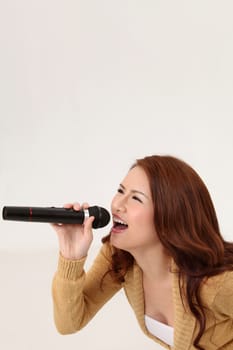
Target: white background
(86, 87)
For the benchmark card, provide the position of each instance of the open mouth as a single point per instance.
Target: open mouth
(119, 225)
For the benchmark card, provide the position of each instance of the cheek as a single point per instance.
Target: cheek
(148, 222)
(143, 219)
(113, 203)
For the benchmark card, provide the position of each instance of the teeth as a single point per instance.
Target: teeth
(119, 221)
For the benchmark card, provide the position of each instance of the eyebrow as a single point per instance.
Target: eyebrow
(135, 191)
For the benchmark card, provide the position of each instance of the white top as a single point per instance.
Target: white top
(160, 330)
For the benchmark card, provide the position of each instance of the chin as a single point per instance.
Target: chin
(116, 242)
(119, 245)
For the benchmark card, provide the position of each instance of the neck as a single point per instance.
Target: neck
(154, 263)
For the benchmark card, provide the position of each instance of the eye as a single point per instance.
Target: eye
(137, 199)
(120, 190)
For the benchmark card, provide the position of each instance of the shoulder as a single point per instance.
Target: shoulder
(105, 255)
(107, 250)
(224, 296)
(218, 293)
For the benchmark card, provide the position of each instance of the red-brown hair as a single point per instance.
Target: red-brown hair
(186, 224)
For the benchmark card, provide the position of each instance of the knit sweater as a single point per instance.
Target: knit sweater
(77, 297)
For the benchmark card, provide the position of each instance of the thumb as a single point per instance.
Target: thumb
(88, 224)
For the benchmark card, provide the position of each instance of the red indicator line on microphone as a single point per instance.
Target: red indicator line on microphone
(30, 213)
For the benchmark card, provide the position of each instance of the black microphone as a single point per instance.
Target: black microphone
(57, 215)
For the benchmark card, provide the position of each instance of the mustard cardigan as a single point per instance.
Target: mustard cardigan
(78, 296)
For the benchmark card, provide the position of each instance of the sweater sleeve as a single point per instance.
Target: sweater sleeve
(77, 296)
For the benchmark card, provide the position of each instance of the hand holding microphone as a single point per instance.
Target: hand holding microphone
(73, 224)
(75, 239)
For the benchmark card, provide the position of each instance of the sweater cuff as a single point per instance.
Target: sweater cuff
(70, 269)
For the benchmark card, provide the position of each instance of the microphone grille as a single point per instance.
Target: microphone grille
(102, 216)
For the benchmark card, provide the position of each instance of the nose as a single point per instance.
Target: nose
(119, 204)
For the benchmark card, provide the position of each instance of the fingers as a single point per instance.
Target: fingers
(56, 226)
(68, 205)
(76, 206)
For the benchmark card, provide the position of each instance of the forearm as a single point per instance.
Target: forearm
(67, 292)
(78, 296)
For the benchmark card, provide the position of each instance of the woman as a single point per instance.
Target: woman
(165, 249)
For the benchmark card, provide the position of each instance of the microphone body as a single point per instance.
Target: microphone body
(57, 215)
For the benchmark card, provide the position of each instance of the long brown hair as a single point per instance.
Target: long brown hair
(187, 226)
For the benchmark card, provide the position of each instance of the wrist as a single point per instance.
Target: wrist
(70, 255)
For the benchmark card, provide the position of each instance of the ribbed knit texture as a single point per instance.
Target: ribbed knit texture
(78, 296)
(70, 269)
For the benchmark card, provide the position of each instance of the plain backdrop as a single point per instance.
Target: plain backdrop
(86, 87)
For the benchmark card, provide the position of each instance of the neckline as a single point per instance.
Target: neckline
(158, 322)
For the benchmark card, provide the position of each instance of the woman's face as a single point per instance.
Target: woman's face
(133, 213)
